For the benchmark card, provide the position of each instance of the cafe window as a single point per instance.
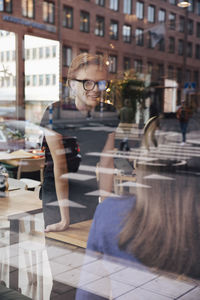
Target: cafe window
(140, 10)
(127, 7)
(112, 67)
(138, 65)
(6, 6)
(198, 30)
(28, 8)
(181, 24)
(189, 49)
(100, 2)
(114, 5)
(84, 21)
(68, 17)
(67, 56)
(139, 35)
(161, 16)
(190, 26)
(99, 26)
(172, 21)
(49, 12)
(126, 33)
(151, 14)
(171, 44)
(127, 63)
(113, 30)
(180, 47)
(197, 51)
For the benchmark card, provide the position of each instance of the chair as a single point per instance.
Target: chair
(31, 165)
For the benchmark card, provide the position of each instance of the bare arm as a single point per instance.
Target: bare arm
(55, 143)
(106, 179)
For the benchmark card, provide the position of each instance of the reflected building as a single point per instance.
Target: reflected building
(147, 36)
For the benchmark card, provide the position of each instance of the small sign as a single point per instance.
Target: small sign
(190, 86)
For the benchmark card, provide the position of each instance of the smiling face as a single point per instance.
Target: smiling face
(87, 100)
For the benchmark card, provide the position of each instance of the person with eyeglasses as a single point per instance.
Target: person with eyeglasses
(87, 82)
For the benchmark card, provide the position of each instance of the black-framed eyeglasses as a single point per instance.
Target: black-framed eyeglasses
(89, 85)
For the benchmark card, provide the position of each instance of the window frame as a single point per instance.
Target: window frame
(84, 28)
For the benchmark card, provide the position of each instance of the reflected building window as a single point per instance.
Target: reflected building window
(170, 72)
(172, 21)
(13, 55)
(100, 2)
(112, 67)
(188, 76)
(54, 79)
(34, 53)
(180, 47)
(173, 2)
(40, 52)
(151, 14)
(2, 56)
(47, 52)
(161, 44)
(28, 8)
(48, 12)
(126, 33)
(67, 17)
(181, 24)
(171, 44)
(196, 78)
(41, 79)
(140, 10)
(198, 30)
(99, 26)
(113, 30)
(139, 35)
(54, 51)
(34, 80)
(27, 80)
(127, 63)
(67, 56)
(149, 68)
(198, 7)
(114, 5)
(47, 79)
(7, 55)
(191, 7)
(179, 75)
(6, 6)
(189, 49)
(127, 8)
(190, 26)
(160, 72)
(162, 16)
(138, 66)
(197, 51)
(84, 21)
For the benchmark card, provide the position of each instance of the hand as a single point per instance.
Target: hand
(60, 226)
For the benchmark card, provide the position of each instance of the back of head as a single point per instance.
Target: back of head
(163, 228)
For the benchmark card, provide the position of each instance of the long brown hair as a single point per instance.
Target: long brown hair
(163, 228)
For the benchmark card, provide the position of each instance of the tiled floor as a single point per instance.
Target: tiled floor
(53, 270)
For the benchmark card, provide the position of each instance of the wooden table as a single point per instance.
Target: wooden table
(76, 234)
(14, 157)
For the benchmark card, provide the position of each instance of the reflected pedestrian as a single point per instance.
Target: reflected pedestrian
(183, 114)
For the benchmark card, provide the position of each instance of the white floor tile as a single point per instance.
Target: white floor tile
(75, 259)
(193, 295)
(168, 287)
(133, 276)
(102, 267)
(54, 251)
(76, 277)
(140, 294)
(106, 287)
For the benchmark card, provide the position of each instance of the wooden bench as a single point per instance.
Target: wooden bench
(76, 234)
